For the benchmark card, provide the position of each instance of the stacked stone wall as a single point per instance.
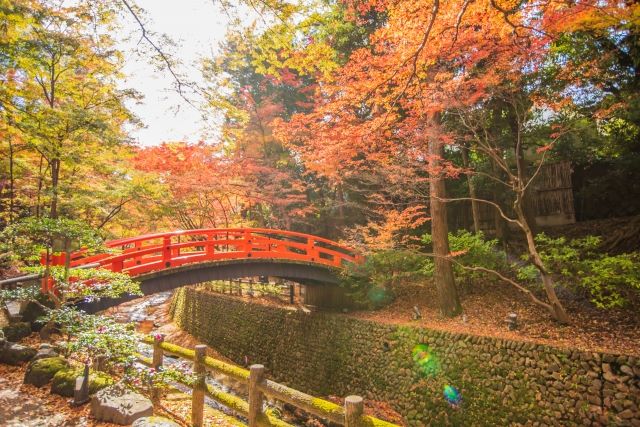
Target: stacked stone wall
(500, 382)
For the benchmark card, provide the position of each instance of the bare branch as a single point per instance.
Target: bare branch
(488, 202)
(180, 84)
(459, 20)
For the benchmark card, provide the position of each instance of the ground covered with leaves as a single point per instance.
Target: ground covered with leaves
(486, 308)
(24, 405)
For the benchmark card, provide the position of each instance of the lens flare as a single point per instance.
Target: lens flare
(452, 395)
(425, 359)
(377, 295)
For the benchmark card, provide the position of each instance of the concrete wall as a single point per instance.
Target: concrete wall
(500, 382)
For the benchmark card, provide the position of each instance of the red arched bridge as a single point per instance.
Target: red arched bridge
(165, 261)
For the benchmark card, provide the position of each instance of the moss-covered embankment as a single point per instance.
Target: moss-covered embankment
(500, 382)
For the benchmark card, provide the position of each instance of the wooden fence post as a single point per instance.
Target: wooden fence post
(157, 360)
(353, 410)
(197, 396)
(256, 375)
(158, 352)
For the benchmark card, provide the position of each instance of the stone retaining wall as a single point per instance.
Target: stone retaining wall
(500, 382)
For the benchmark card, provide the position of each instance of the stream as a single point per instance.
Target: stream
(144, 312)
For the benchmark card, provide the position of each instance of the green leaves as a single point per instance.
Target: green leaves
(609, 281)
(30, 236)
(91, 283)
(470, 249)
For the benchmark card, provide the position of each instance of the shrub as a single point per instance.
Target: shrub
(608, 280)
(470, 249)
(378, 280)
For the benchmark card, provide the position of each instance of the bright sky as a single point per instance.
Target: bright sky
(197, 27)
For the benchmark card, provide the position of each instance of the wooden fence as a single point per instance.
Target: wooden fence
(554, 191)
(349, 415)
(551, 199)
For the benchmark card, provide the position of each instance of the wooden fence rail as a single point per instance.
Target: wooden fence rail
(349, 415)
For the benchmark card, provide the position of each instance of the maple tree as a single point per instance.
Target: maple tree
(199, 191)
(431, 58)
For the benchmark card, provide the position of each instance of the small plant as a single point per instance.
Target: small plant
(149, 380)
(103, 336)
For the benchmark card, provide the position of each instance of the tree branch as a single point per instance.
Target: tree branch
(178, 80)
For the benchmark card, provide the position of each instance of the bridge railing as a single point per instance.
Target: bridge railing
(144, 254)
(259, 387)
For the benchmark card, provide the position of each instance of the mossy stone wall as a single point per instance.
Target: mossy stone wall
(501, 382)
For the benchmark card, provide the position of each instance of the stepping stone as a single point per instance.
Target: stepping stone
(154, 422)
(45, 351)
(120, 405)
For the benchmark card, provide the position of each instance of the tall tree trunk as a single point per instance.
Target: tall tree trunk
(501, 226)
(340, 220)
(55, 176)
(40, 184)
(445, 282)
(475, 207)
(11, 181)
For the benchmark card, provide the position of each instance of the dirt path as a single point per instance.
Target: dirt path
(28, 406)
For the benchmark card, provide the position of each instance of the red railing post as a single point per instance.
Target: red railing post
(312, 252)
(117, 266)
(166, 251)
(210, 247)
(136, 247)
(246, 235)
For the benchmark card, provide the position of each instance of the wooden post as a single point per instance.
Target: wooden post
(353, 410)
(158, 352)
(157, 361)
(291, 294)
(197, 397)
(256, 375)
(210, 247)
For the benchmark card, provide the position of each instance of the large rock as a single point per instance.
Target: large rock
(32, 312)
(154, 422)
(120, 405)
(41, 371)
(16, 331)
(64, 381)
(15, 354)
